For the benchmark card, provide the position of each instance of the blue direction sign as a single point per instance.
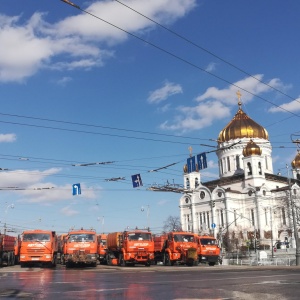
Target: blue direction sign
(201, 161)
(191, 164)
(76, 189)
(213, 225)
(136, 180)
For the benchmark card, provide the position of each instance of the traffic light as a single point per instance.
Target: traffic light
(213, 203)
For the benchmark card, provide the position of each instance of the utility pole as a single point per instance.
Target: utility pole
(271, 220)
(296, 234)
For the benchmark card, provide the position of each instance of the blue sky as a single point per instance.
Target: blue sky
(75, 89)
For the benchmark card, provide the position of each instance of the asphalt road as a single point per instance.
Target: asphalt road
(149, 283)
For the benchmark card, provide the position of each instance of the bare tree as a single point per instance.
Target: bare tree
(172, 224)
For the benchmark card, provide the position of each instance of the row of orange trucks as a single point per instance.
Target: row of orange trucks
(127, 248)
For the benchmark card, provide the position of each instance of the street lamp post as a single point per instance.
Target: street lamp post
(148, 213)
(6, 210)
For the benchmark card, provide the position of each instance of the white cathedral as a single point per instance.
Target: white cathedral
(248, 203)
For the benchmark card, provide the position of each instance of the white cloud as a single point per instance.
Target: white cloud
(8, 138)
(215, 104)
(249, 84)
(211, 67)
(68, 211)
(164, 92)
(198, 117)
(24, 178)
(292, 106)
(32, 187)
(163, 202)
(63, 81)
(74, 42)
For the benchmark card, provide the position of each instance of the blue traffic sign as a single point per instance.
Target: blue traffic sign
(213, 225)
(76, 189)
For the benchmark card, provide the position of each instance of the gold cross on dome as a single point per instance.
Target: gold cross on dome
(239, 95)
(190, 149)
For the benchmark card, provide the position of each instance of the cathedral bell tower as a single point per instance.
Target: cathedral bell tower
(191, 179)
(235, 137)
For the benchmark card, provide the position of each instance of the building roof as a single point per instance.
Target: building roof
(242, 126)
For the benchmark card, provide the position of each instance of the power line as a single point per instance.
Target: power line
(182, 59)
(206, 50)
(97, 133)
(97, 126)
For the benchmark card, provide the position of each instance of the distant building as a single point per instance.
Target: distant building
(248, 201)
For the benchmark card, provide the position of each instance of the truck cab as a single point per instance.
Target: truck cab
(208, 250)
(80, 248)
(38, 247)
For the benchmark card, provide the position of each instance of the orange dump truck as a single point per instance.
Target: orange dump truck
(101, 248)
(208, 250)
(130, 248)
(38, 247)
(7, 250)
(176, 247)
(80, 248)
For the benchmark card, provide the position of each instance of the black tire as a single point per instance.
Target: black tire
(122, 262)
(211, 264)
(68, 265)
(148, 264)
(167, 261)
(53, 262)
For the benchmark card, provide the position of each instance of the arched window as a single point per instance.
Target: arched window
(187, 183)
(259, 169)
(249, 168)
(228, 163)
(237, 160)
(221, 167)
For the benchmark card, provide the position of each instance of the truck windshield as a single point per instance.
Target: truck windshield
(139, 236)
(183, 238)
(82, 237)
(208, 242)
(36, 237)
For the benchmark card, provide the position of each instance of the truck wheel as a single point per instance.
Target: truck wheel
(167, 261)
(68, 265)
(122, 262)
(53, 262)
(211, 264)
(148, 264)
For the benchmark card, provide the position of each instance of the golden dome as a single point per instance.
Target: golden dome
(251, 149)
(296, 161)
(242, 126)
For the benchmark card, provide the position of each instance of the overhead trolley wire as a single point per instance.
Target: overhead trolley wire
(206, 50)
(180, 58)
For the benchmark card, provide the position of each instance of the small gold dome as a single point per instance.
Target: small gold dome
(242, 126)
(296, 162)
(185, 168)
(251, 149)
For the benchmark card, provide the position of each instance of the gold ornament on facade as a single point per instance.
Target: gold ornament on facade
(185, 169)
(251, 149)
(242, 126)
(296, 162)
